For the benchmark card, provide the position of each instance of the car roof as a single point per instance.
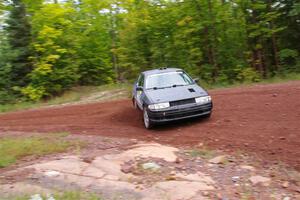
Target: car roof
(160, 71)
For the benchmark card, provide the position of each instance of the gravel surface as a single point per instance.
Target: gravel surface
(262, 120)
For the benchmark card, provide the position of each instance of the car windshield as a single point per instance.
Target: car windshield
(170, 79)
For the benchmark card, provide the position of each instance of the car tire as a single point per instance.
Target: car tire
(135, 104)
(207, 116)
(147, 122)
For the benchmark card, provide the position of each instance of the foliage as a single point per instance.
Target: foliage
(204, 153)
(94, 44)
(19, 38)
(56, 66)
(48, 47)
(12, 149)
(96, 93)
(66, 195)
(5, 71)
(248, 75)
(77, 196)
(290, 59)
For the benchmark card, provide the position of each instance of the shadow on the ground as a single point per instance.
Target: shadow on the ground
(178, 124)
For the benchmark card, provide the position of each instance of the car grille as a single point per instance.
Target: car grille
(182, 102)
(177, 113)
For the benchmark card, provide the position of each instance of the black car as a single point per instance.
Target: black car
(169, 94)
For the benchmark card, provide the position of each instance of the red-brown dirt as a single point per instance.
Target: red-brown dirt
(263, 120)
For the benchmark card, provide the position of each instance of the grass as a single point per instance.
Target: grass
(78, 93)
(204, 153)
(282, 78)
(74, 95)
(275, 79)
(69, 195)
(18, 106)
(77, 196)
(13, 149)
(246, 192)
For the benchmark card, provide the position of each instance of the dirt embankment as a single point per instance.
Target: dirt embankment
(263, 120)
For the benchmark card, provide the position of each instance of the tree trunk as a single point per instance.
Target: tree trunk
(256, 45)
(212, 40)
(210, 36)
(276, 61)
(275, 49)
(260, 62)
(114, 43)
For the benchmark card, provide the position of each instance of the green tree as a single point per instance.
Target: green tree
(55, 59)
(94, 45)
(6, 55)
(19, 39)
(50, 46)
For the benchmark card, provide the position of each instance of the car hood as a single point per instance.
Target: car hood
(175, 93)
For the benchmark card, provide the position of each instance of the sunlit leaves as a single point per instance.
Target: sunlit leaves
(94, 42)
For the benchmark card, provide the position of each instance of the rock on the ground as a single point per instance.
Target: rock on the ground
(151, 166)
(36, 197)
(52, 173)
(260, 180)
(111, 177)
(199, 177)
(248, 167)
(70, 164)
(205, 193)
(178, 160)
(285, 184)
(219, 196)
(235, 179)
(126, 168)
(218, 160)
(109, 165)
(177, 190)
(153, 150)
(93, 172)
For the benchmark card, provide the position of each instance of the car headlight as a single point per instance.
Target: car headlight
(203, 100)
(159, 106)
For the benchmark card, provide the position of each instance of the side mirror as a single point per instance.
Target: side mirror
(196, 80)
(139, 88)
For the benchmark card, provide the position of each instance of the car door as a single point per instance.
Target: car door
(139, 92)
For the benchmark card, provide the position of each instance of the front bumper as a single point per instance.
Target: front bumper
(180, 112)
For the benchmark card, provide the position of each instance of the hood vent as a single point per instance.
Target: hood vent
(191, 90)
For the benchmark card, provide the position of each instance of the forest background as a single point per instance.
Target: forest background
(50, 46)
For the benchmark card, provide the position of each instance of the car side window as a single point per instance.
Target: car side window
(140, 82)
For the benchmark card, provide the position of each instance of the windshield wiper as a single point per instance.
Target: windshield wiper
(178, 85)
(175, 85)
(157, 88)
(153, 88)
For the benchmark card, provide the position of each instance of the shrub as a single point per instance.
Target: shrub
(34, 93)
(248, 75)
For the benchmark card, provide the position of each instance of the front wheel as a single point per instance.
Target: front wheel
(134, 104)
(147, 122)
(207, 116)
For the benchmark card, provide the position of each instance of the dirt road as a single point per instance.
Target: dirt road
(263, 120)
